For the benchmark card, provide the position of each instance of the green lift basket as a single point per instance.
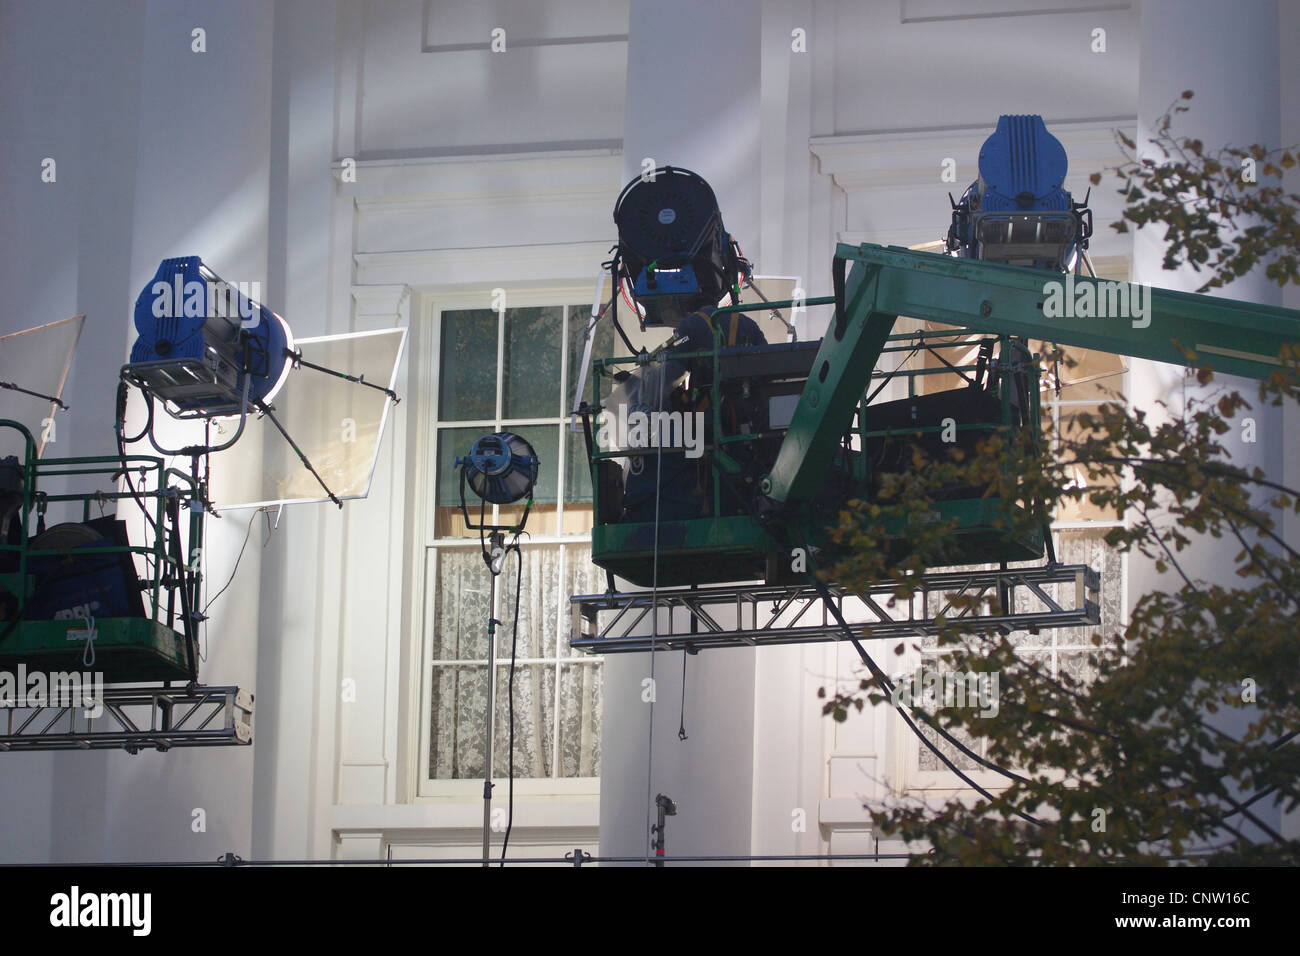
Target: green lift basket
(794, 474)
(158, 645)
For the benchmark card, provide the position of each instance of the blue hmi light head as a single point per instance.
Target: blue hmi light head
(1018, 210)
(205, 345)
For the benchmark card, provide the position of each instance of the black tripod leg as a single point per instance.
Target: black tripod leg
(266, 410)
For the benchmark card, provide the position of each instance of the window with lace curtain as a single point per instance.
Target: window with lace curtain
(511, 370)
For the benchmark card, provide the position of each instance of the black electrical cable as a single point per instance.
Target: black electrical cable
(613, 315)
(681, 724)
(510, 697)
(123, 441)
(885, 683)
(121, 415)
(182, 573)
(247, 534)
(825, 595)
(883, 680)
(126, 475)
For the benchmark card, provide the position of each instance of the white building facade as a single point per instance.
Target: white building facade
(450, 166)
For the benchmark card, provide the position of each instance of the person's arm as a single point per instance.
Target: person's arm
(696, 330)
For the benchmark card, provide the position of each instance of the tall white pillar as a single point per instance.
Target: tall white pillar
(1228, 55)
(297, 590)
(693, 100)
(202, 187)
(69, 88)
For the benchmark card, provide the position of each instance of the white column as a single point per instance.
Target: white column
(302, 567)
(693, 100)
(69, 85)
(202, 187)
(161, 151)
(789, 729)
(1227, 54)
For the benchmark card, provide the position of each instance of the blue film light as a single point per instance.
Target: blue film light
(204, 343)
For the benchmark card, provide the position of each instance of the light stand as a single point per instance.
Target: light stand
(500, 468)
(494, 555)
(666, 808)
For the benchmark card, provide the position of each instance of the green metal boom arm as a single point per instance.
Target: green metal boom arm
(1238, 338)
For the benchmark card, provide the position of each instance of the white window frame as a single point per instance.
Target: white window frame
(425, 546)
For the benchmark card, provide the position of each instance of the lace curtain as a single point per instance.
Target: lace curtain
(556, 693)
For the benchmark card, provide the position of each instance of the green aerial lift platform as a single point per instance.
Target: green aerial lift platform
(806, 465)
(118, 667)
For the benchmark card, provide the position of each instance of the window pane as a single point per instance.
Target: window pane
(539, 602)
(602, 347)
(467, 379)
(534, 384)
(534, 720)
(545, 440)
(926, 760)
(460, 621)
(577, 470)
(455, 443)
(531, 374)
(1088, 546)
(457, 741)
(580, 577)
(580, 701)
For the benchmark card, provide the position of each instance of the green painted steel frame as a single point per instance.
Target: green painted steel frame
(1232, 336)
(31, 634)
(1238, 338)
(737, 547)
(629, 549)
(884, 282)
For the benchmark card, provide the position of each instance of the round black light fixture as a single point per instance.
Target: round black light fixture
(672, 246)
(500, 468)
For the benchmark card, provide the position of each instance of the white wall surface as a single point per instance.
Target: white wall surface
(63, 254)
(475, 170)
(104, 89)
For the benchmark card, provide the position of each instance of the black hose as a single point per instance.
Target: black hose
(510, 698)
